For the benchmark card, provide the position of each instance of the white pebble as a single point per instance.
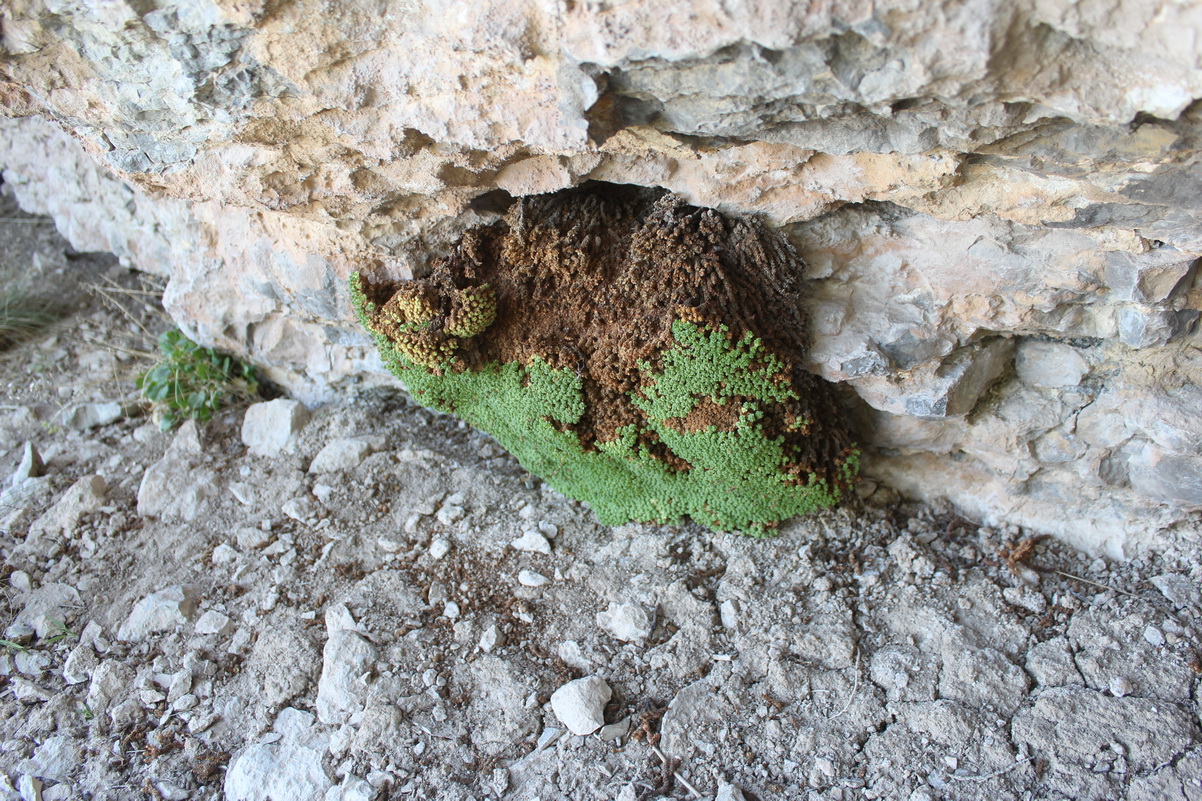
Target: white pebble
(532, 542)
(580, 704)
(1154, 636)
(528, 578)
(439, 548)
(1120, 686)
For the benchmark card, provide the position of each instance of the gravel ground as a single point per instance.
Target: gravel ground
(371, 601)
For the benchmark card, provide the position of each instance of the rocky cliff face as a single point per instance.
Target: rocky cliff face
(1000, 203)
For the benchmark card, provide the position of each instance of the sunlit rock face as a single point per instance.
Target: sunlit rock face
(999, 204)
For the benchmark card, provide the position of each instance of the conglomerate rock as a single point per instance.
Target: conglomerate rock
(975, 188)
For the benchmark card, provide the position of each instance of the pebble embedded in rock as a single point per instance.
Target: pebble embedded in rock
(580, 704)
(626, 622)
(1121, 686)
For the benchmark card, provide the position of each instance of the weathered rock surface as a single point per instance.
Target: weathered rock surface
(998, 204)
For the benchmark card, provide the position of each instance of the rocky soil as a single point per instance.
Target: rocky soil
(368, 601)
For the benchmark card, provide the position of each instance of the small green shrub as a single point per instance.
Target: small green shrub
(190, 381)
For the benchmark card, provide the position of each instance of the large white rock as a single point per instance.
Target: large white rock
(270, 427)
(285, 770)
(580, 704)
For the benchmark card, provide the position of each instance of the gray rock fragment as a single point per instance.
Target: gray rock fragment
(271, 427)
(626, 622)
(44, 609)
(31, 466)
(347, 656)
(161, 611)
(339, 455)
(92, 415)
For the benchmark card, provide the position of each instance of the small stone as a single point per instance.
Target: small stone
(300, 509)
(547, 738)
(202, 721)
(85, 496)
(31, 466)
(532, 542)
(110, 678)
(1177, 589)
(528, 578)
(451, 610)
(213, 622)
(20, 581)
(614, 731)
(728, 612)
(92, 415)
(1026, 598)
(1154, 636)
(1121, 686)
(450, 514)
(339, 455)
(44, 610)
(491, 639)
(729, 792)
(251, 538)
(161, 611)
(223, 554)
(439, 549)
(184, 702)
(626, 622)
(580, 704)
(54, 759)
(269, 428)
(80, 664)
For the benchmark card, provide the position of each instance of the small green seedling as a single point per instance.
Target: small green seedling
(14, 646)
(63, 632)
(193, 382)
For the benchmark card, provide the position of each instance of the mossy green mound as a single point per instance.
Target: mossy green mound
(677, 415)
